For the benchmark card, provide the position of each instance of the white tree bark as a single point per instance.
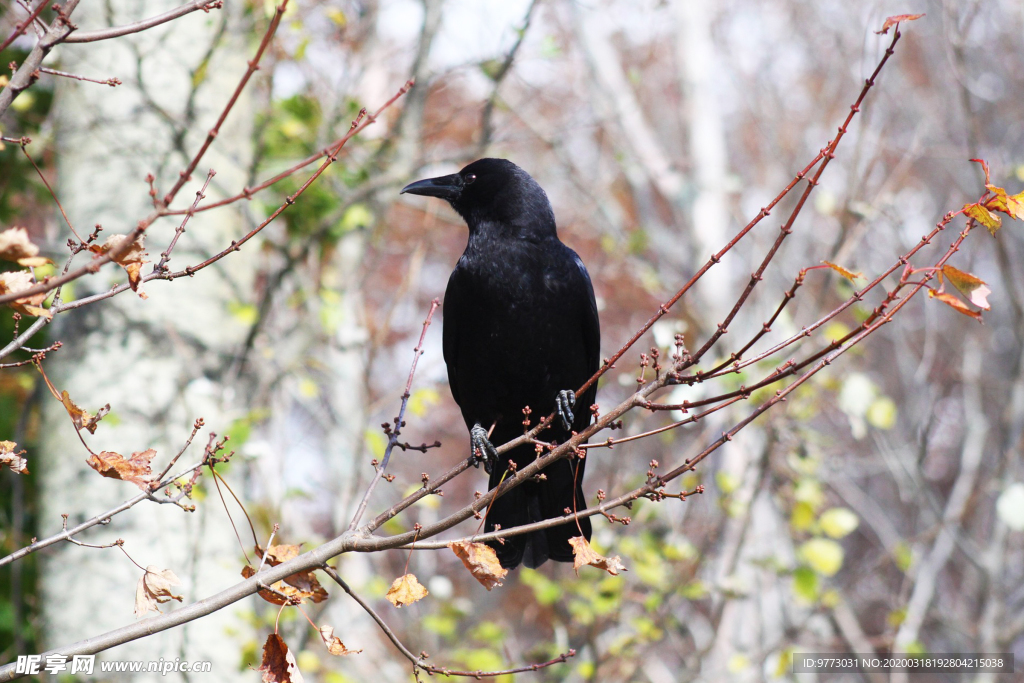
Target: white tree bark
(158, 362)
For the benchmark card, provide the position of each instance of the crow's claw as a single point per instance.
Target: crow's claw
(564, 403)
(482, 448)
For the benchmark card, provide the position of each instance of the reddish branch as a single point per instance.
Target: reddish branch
(254, 64)
(20, 28)
(393, 433)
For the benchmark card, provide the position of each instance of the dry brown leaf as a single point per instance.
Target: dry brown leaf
(406, 590)
(306, 581)
(131, 260)
(951, 300)
(81, 418)
(278, 665)
(16, 246)
(18, 280)
(981, 214)
(481, 560)
(1010, 204)
(848, 274)
(155, 588)
(294, 595)
(970, 285)
(135, 469)
(583, 554)
(896, 19)
(334, 644)
(11, 459)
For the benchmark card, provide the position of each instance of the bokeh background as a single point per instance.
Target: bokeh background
(880, 509)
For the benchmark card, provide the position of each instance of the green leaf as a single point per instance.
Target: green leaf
(822, 555)
(727, 482)
(838, 522)
(805, 584)
(422, 399)
(802, 517)
(881, 414)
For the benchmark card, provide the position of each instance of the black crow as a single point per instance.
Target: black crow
(520, 329)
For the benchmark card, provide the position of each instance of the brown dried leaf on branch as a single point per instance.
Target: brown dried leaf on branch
(981, 214)
(131, 260)
(278, 665)
(897, 19)
(11, 459)
(18, 280)
(81, 418)
(958, 305)
(848, 274)
(406, 590)
(584, 554)
(970, 286)
(481, 560)
(333, 642)
(1010, 204)
(135, 469)
(280, 593)
(155, 588)
(16, 246)
(306, 582)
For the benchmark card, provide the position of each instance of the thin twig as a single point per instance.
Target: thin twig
(399, 421)
(418, 661)
(170, 15)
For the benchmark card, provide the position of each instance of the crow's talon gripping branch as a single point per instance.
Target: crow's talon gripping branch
(482, 448)
(564, 403)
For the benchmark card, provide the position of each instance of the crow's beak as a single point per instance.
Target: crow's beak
(446, 187)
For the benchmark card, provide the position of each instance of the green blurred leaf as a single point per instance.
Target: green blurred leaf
(822, 555)
(838, 522)
(805, 584)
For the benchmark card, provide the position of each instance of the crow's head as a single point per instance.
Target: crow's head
(493, 195)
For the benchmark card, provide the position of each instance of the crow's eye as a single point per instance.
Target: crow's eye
(469, 179)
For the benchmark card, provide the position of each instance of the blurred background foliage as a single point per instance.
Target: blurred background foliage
(821, 529)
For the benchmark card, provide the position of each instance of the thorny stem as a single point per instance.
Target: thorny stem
(399, 421)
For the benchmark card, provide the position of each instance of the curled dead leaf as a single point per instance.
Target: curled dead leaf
(81, 418)
(284, 595)
(958, 305)
(11, 459)
(135, 469)
(406, 590)
(848, 274)
(155, 588)
(896, 19)
(18, 280)
(970, 285)
(306, 582)
(279, 665)
(1010, 204)
(333, 642)
(583, 554)
(131, 259)
(16, 246)
(481, 560)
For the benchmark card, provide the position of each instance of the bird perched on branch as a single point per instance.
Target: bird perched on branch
(520, 329)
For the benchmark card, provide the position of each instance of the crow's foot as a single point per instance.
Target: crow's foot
(482, 448)
(564, 403)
